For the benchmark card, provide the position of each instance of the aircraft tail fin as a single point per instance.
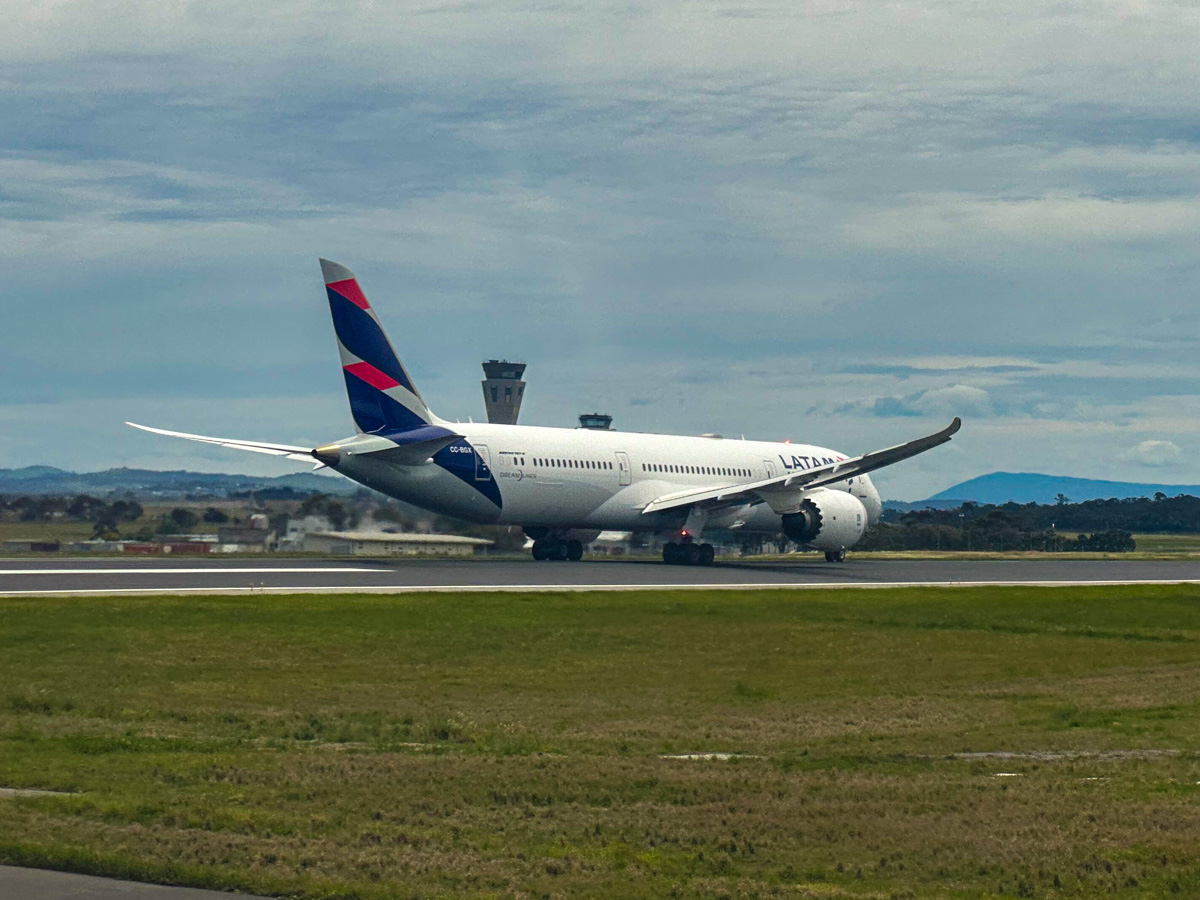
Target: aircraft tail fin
(382, 395)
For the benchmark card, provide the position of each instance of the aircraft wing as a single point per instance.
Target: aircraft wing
(302, 453)
(820, 476)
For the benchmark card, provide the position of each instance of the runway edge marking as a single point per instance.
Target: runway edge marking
(204, 570)
(550, 588)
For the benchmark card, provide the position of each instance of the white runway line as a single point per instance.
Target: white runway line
(207, 570)
(547, 588)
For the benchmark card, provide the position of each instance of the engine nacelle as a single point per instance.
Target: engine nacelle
(827, 520)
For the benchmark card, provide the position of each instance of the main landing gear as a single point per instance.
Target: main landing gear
(553, 548)
(688, 554)
(835, 556)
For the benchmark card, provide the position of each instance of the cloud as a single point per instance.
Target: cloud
(738, 211)
(953, 400)
(939, 223)
(1154, 454)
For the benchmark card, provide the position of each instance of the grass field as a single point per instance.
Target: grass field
(1168, 543)
(897, 743)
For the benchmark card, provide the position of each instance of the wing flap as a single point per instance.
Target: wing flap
(809, 479)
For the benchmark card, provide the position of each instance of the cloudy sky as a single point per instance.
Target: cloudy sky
(838, 222)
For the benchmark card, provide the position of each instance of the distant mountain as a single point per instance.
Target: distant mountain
(150, 483)
(30, 473)
(1031, 487)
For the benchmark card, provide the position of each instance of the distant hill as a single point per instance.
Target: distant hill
(150, 483)
(1031, 487)
(907, 506)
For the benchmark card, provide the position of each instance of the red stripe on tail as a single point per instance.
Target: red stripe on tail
(371, 375)
(351, 291)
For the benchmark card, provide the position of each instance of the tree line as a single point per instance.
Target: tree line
(1158, 514)
(1099, 525)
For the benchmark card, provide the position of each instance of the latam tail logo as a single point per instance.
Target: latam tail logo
(382, 396)
(383, 399)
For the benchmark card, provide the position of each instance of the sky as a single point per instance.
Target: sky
(841, 223)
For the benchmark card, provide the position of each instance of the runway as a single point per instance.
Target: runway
(276, 575)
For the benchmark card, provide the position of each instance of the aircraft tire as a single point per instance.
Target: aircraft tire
(574, 551)
(671, 554)
(558, 551)
(539, 550)
(707, 554)
(690, 555)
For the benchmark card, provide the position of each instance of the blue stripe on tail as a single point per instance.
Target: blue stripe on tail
(374, 411)
(362, 336)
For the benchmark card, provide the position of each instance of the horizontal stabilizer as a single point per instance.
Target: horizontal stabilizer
(301, 453)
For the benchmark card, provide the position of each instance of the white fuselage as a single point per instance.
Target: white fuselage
(563, 478)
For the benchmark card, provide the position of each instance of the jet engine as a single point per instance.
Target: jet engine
(827, 520)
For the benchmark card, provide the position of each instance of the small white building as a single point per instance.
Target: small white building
(375, 543)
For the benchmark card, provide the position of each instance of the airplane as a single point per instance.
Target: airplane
(563, 486)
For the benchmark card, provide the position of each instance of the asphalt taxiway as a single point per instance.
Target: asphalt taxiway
(39, 884)
(27, 576)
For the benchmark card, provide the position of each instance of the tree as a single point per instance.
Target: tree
(214, 516)
(336, 513)
(86, 507)
(126, 510)
(1061, 499)
(105, 528)
(181, 519)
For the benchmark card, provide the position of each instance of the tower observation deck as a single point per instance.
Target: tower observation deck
(503, 390)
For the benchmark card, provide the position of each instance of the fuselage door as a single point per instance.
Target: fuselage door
(623, 469)
(483, 463)
(770, 467)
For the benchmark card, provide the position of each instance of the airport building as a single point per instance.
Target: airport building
(503, 390)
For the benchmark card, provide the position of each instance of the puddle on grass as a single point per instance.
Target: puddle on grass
(710, 756)
(1052, 755)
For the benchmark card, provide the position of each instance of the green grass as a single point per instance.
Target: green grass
(489, 745)
(54, 530)
(1168, 543)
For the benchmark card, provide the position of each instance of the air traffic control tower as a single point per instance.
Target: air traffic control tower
(503, 390)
